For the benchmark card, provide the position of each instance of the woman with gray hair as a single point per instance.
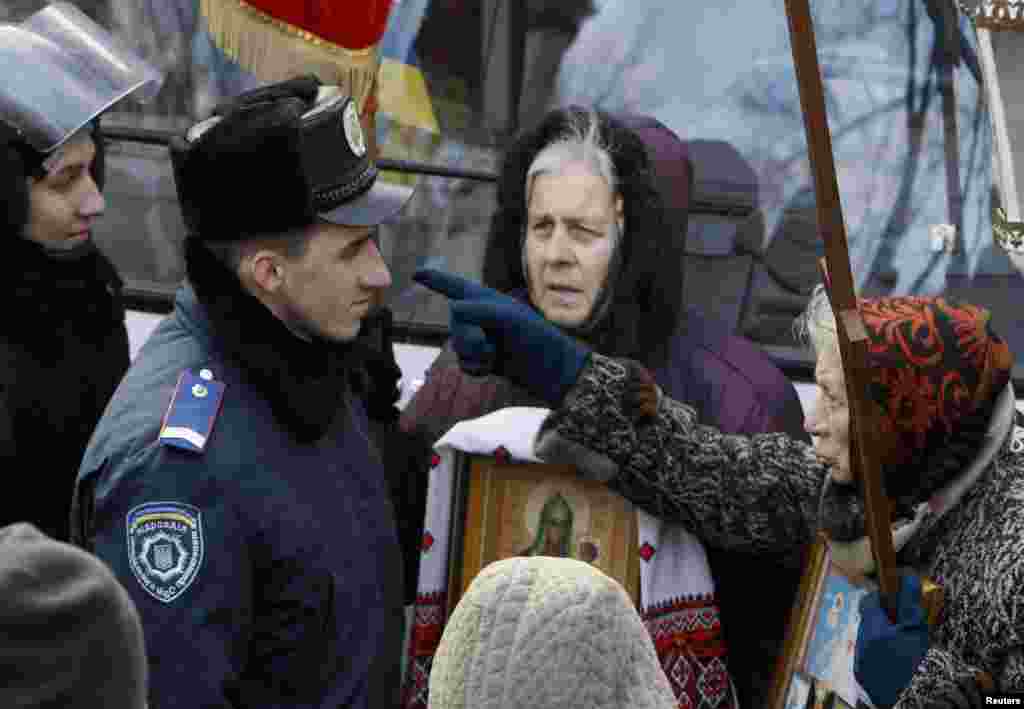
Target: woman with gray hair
(951, 463)
(589, 234)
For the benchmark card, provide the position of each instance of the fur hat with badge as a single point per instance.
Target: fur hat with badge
(71, 634)
(276, 159)
(270, 163)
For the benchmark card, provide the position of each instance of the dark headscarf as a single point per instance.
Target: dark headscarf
(647, 300)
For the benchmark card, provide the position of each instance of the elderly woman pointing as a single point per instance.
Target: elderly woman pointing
(940, 381)
(589, 232)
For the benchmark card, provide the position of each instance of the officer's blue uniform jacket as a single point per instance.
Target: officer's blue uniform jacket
(267, 572)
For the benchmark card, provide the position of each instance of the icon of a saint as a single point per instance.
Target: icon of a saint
(554, 529)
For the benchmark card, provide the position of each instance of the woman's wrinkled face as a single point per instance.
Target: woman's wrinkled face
(829, 418)
(63, 205)
(569, 242)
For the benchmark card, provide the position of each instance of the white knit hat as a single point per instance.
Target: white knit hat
(545, 632)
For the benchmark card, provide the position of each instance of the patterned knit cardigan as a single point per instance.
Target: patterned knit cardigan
(765, 494)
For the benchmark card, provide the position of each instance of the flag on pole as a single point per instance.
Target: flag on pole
(340, 42)
(407, 124)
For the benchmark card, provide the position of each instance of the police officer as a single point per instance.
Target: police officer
(231, 485)
(63, 342)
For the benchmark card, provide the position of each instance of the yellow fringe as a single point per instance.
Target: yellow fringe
(274, 50)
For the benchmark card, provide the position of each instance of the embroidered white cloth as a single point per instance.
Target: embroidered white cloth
(676, 588)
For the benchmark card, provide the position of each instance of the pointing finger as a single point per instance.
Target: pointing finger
(449, 284)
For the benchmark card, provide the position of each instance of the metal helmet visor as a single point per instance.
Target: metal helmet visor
(61, 70)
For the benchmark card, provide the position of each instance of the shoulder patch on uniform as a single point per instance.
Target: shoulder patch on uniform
(193, 410)
(165, 547)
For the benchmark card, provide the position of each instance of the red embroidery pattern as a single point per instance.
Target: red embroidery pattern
(687, 634)
(647, 551)
(932, 361)
(427, 626)
(428, 541)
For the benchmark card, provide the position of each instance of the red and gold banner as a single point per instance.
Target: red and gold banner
(356, 24)
(338, 41)
(279, 39)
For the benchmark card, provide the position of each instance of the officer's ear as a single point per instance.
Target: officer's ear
(266, 269)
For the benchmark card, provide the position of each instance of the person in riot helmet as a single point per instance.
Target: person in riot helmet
(63, 342)
(231, 484)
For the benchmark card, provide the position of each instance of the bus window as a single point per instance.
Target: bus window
(910, 132)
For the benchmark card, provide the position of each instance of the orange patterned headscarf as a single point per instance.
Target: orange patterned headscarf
(936, 368)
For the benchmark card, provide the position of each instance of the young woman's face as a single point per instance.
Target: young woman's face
(569, 242)
(63, 205)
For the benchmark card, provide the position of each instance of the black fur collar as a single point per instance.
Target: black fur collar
(306, 383)
(52, 299)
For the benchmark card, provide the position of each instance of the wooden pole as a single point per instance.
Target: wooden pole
(851, 332)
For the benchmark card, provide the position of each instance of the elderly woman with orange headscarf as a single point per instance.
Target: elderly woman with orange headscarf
(952, 466)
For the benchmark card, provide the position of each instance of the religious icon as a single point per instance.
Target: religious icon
(823, 632)
(535, 509)
(801, 689)
(834, 636)
(554, 529)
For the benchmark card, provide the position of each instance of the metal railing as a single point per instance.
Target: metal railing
(148, 136)
(158, 298)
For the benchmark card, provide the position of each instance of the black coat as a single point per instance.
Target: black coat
(63, 351)
(405, 455)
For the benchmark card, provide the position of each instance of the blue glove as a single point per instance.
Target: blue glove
(887, 655)
(493, 333)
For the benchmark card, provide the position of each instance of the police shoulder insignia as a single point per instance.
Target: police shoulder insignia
(193, 410)
(165, 547)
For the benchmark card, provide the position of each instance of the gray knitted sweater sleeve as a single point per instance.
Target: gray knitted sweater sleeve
(767, 494)
(757, 494)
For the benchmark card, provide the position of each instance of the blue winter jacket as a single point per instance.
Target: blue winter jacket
(266, 571)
